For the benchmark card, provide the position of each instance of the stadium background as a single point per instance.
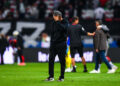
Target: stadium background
(32, 18)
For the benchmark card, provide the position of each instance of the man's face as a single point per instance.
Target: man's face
(97, 23)
(77, 21)
(56, 18)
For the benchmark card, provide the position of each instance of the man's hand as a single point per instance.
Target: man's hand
(97, 50)
(99, 27)
(91, 34)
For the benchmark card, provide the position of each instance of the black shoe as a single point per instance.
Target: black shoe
(85, 70)
(74, 69)
(50, 79)
(2, 64)
(61, 79)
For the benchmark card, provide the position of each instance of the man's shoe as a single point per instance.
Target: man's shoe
(74, 69)
(50, 79)
(68, 70)
(111, 71)
(85, 71)
(95, 71)
(61, 79)
(115, 67)
(21, 64)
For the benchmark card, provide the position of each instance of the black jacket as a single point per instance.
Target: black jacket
(75, 32)
(20, 41)
(59, 33)
(3, 43)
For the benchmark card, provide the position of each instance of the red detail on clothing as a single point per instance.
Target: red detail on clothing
(13, 42)
(108, 58)
(73, 24)
(23, 59)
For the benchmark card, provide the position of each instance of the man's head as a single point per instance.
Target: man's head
(57, 15)
(15, 33)
(98, 22)
(75, 20)
(2, 35)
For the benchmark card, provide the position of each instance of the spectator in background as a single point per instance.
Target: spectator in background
(1, 4)
(62, 7)
(6, 13)
(116, 10)
(99, 13)
(45, 41)
(70, 11)
(72, 2)
(1, 15)
(80, 6)
(21, 9)
(95, 3)
(89, 4)
(42, 7)
(34, 11)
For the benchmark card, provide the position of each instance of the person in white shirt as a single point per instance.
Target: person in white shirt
(99, 13)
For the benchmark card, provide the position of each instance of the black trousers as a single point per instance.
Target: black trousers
(1, 53)
(61, 52)
(20, 54)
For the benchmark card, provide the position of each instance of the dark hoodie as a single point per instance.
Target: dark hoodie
(59, 33)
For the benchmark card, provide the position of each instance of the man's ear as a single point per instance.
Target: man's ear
(60, 18)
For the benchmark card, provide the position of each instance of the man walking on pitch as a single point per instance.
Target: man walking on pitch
(58, 44)
(74, 32)
(100, 45)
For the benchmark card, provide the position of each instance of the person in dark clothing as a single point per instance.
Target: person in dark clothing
(74, 32)
(80, 6)
(17, 44)
(1, 4)
(100, 46)
(62, 7)
(58, 44)
(21, 9)
(3, 45)
(42, 7)
(116, 10)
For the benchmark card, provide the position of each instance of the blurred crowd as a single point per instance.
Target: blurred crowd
(42, 9)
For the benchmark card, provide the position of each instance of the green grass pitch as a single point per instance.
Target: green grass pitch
(34, 74)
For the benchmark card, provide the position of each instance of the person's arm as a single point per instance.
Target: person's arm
(88, 33)
(103, 27)
(83, 30)
(63, 25)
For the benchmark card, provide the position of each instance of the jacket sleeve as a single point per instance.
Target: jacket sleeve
(84, 31)
(63, 24)
(97, 39)
(104, 28)
(20, 42)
